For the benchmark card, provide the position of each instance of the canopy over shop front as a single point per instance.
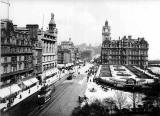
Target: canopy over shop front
(51, 80)
(69, 64)
(27, 83)
(7, 91)
(31, 81)
(34, 80)
(60, 65)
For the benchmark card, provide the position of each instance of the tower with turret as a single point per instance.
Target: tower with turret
(52, 25)
(106, 32)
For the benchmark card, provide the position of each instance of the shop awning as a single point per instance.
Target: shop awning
(55, 71)
(31, 81)
(14, 88)
(60, 65)
(34, 80)
(27, 82)
(4, 92)
(51, 80)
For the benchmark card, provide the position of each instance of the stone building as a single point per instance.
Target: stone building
(64, 55)
(33, 30)
(16, 54)
(67, 52)
(77, 55)
(49, 49)
(124, 51)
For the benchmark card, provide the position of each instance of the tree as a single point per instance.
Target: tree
(109, 104)
(136, 99)
(121, 99)
(94, 109)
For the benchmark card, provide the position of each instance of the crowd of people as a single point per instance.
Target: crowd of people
(91, 72)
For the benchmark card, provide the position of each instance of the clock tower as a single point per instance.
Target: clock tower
(106, 32)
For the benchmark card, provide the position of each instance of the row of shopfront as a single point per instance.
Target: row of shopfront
(48, 77)
(12, 90)
(24, 84)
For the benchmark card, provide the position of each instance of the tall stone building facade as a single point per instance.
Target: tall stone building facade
(67, 53)
(16, 54)
(33, 30)
(124, 51)
(64, 55)
(49, 49)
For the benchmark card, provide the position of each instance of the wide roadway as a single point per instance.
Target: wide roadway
(62, 102)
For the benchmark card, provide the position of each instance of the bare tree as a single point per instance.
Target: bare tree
(121, 99)
(109, 103)
(136, 99)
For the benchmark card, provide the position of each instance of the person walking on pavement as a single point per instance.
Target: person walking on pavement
(87, 78)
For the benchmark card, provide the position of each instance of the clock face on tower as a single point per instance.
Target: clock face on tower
(106, 29)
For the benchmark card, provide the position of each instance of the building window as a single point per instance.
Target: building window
(20, 58)
(5, 69)
(20, 66)
(44, 58)
(25, 65)
(8, 40)
(14, 68)
(44, 68)
(5, 59)
(22, 42)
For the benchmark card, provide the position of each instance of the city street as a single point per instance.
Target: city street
(66, 99)
(79, 58)
(63, 100)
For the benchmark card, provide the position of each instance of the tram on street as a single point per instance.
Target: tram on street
(44, 94)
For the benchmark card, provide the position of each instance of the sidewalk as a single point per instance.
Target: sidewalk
(25, 94)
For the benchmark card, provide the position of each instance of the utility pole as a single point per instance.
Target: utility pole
(4, 2)
(42, 21)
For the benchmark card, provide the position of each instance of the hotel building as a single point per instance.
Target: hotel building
(124, 51)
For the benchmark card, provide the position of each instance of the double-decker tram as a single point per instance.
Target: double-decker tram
(44, 94)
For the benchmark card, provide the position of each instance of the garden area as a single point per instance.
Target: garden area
(138, 73)
(105, 71)
(103, 100)
(155, 70)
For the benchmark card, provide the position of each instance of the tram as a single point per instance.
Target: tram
(44, 94)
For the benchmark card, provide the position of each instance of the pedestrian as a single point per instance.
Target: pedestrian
(87, 78)
(8, 104)
(20, 96)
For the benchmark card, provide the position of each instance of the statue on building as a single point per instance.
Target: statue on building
(52, 15)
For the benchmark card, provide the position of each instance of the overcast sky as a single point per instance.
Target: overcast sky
(82, 20)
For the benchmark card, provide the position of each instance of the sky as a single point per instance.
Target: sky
(82, 20)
